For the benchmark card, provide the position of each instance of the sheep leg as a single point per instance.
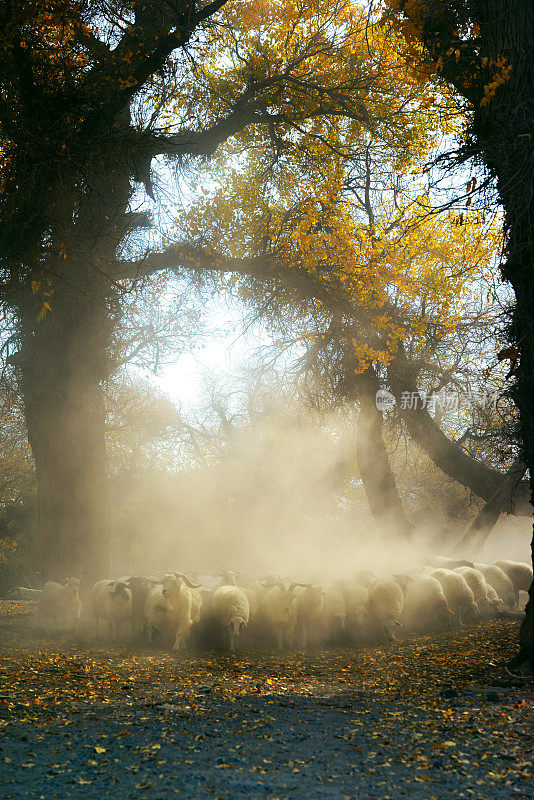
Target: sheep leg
(182, 634)
(179, 644)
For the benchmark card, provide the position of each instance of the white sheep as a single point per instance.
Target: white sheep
(459, 595)
(448, 563)
(519, 573)
(334, 613)
(385, 604)
(500, 582)
(24, 593)
(230, 610)
(228, 578)
(277, 612)
(356, 599)
(170, 609)
(61, 603)
(425, 605)
(485, 598)
(308, 607)
(112, 601)
(364, 578)
(494, 599)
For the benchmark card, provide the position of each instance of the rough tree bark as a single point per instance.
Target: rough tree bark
(375, 470)
(371, 454)
(484, 49)
(64, 361)
(504, 131)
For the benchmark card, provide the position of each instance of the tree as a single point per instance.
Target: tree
(344, 249)
(483, 50)
(93, 96)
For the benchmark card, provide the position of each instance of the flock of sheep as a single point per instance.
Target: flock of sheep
(173, 611)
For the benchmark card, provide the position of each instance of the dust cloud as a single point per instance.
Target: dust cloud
(281, 495)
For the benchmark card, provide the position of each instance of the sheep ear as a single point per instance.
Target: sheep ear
(109, 583)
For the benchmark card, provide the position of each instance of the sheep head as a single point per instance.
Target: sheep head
(120, 589)
(234, 628)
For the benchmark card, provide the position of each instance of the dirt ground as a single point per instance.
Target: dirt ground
(429, 717)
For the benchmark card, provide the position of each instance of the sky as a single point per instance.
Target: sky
(226, 348)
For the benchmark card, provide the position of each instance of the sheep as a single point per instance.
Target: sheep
(230, 610)
(403, 579)
(519, 573)
(486, 603)
(447, 563)
(61, 603)
(111, 600)
(356, 600)
(494, 599)
(459, 595)
(385, 604)
(426, 606)
(308, 606)
(23, 593)
(253, 599)
(140, 588)
(364, 578)
(500, 582)
(277, 612)
(196, 603)
(228, 578)
(334, 614)
(170, 609)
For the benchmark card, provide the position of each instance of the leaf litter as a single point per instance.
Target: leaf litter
(389, 721)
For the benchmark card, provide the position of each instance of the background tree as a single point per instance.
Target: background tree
(345, 251)
(92, 94)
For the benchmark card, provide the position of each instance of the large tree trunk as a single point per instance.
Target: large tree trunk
(373, 462)
(493, 68)
(505, 133)
(63, 363)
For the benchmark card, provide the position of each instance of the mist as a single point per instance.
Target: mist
(280, 493)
